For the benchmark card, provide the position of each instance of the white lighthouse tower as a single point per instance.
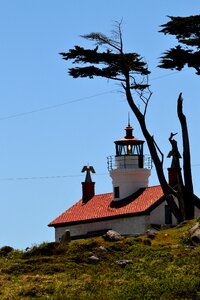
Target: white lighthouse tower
(127, 168)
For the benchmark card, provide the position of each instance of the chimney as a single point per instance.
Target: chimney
(172, 177)
(88, 190)
(172, 171)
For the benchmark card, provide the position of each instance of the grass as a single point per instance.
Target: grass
(166, 267)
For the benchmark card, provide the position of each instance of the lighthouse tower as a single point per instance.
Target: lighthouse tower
(127, 168)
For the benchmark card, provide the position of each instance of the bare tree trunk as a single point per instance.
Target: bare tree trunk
(167, 190)
(189, 193)
(181, 188)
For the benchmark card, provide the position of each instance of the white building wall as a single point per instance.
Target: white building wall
(196, 212)
(157, 216)
(126, 161)
(125, 226)
(129, 180)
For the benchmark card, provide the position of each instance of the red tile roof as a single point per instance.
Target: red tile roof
(101, 206)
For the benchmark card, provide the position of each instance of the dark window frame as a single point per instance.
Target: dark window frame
(116, 192)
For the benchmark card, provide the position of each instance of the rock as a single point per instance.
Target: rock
(66, 237)
(195, 238)
(193, 228)
(150, 234)
(123, 262)
(103, 249)
(93, 259)
(112, 236)
(194, 235)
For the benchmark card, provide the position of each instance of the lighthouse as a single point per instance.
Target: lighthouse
(130, 208)
(127, 168)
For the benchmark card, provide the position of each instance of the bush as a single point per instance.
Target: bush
(45, 249)
(5, 250)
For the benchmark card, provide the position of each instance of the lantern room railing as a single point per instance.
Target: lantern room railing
(124, 161)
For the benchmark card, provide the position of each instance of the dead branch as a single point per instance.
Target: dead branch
(158, 149)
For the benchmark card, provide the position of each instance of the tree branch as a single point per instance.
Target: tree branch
(158, 148)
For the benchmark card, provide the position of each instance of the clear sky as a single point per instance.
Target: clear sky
(51, 125)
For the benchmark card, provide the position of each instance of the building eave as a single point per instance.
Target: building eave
(128, 215)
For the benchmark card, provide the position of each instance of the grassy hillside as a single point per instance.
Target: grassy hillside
(166, 267)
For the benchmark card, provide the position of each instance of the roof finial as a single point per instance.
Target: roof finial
(129, 119)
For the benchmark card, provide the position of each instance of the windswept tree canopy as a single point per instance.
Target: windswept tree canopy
(187, 52)
(111, 63)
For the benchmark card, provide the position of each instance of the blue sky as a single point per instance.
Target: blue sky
(51, 125)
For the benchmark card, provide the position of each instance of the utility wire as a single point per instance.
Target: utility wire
(59, 176)
(54, 106)
(167, 75)
(71, 101)
(45, 177)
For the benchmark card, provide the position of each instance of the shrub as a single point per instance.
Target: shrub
(4, 251)
(45, 249)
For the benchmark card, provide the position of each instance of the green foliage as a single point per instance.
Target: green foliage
(112, 63)
(186, 30)
(166, 269)
(185, 240)
(5, 250)
(46, 249)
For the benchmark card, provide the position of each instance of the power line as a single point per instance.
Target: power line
(59, 176)
(45, 177)
(54, 106)
(70, 102)
(166, 75)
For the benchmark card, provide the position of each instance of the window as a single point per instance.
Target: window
(116, 192)
(140, 161)
(168, 215)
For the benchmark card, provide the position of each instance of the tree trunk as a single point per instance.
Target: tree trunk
(189, 193)
(167, 190)
(176, 165)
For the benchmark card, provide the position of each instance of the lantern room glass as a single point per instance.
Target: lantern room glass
(129, 149)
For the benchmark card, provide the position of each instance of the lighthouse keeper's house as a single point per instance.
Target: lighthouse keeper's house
(130, 209)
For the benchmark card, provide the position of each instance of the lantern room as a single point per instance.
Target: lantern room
(130, 149)
(128, 168)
